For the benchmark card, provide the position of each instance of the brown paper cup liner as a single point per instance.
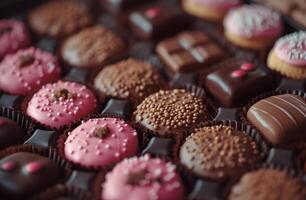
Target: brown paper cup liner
(59, 191)
(101, 99)
(249, 131)
(147, 134)
(244, 109)
(24, 122)
(63, 137)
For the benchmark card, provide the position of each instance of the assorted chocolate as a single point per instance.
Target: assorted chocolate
(147, 100)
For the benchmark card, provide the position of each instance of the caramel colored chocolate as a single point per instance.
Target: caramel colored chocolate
(281, 119)
(189, 51)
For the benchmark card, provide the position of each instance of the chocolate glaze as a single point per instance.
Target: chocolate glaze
(43, 138)
(159, 146)
(120, 108)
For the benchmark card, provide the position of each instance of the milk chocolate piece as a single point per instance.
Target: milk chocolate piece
(157, 21)
(281, 119)
(236, 81)
(189, 51)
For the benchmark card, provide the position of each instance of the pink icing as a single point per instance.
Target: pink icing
(160, 181)
(292, 48)
(238, 73)
(9, 166)
(17, 38)
(253, 21)
(57, 112)
(83, 146)
(152, 12)
(247, 66)
(33, 167)
(222, 5)
(29, 78)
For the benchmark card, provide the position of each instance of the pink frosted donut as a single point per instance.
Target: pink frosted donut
(143, 178)
(61, 103)
(254, 21)
(222, 5)
(292, 48)
(101, 142)
(13, 36)
(29, 69)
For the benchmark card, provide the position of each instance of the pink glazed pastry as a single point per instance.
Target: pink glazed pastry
(29, 69)
(61, 103)
(143, 178)
(212, 10)
(253, 26)
(100, 142)
(288, 55)
(13, 36)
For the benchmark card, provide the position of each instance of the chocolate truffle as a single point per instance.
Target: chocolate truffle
(22, 174)
(10, 133)
(281, 119)
(171, 112)
(236, 81)
(268, 184)
(91, 47)
(218, 152)
(189, 51)
(140, 178)
(129, 79)
(58, 104)
(59, 18)
(157, 21)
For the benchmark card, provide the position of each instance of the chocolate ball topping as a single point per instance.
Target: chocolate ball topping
(171, 111)
(218, 152)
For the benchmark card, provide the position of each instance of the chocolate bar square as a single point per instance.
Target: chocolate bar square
(157, 21)
(236, 81)
(189, 51)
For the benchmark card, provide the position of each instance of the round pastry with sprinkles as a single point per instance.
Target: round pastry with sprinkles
(61, 103)
(253, 26)
(218, 152)
(100, 142)
(91, 47)
(59, 18)
(26, 71)
(288, 56)
(143, 178)
(212, 10)
(269, 184)
(129, 79)
(170, 112)
(13, 36)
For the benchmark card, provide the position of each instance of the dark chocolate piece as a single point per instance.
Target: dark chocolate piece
(22, 174)
(281, 119)
(120, 108)
(183, 79)
(43, 138)
(236, 81)
(289, 84)
(157, 21)
(9, 101)
(10, 133)
(206, 190)
(283, 157)
(47, 44)
(78, 75)
(117, 6)
(159, 146)
(81, 180)
(189, 51)
(227, 114)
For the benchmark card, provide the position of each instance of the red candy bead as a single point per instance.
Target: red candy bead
(247, 66)
(33, 167)
(152, 12)
(238, 73)
(8, 166)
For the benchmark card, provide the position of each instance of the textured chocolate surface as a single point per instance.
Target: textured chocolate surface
(157, 21)
(188, 51)
(10, 133)
(218, 152)
(281, 119)
(236, 81)
(268, 184)
(171, 111)
(22, 174)
(129, 79)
